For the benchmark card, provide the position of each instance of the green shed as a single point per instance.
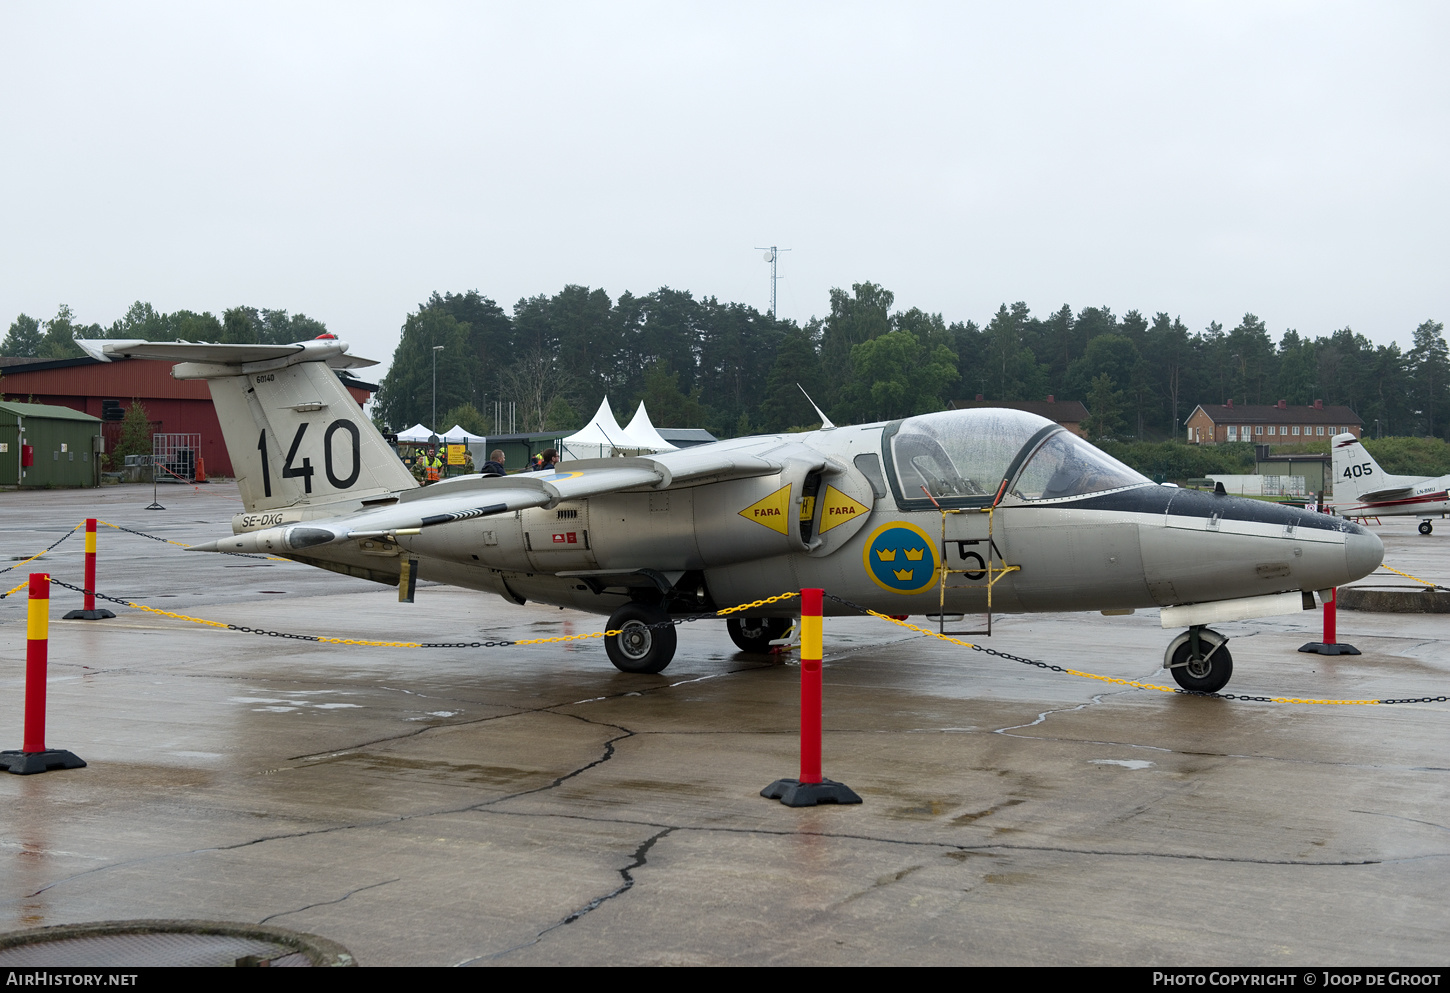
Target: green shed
(63, 445)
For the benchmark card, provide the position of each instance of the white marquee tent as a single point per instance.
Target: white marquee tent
(477, 444)
(602, 437)
(599, 439)
(642, 434)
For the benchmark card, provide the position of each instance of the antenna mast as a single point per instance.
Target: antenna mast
(772, 255)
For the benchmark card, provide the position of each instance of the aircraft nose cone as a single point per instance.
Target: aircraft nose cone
(1363, 554)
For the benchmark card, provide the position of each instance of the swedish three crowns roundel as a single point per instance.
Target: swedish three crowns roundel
(901, 558)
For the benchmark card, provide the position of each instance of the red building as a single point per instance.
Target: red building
(1265, 424)
(174, 406)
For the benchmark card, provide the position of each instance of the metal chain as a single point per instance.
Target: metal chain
(1422, 582)
(676, 621)
(613, 632)
(182, 544)
(1121, 682)
(37, 555)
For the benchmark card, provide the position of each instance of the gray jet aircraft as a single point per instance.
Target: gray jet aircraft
(940, 514)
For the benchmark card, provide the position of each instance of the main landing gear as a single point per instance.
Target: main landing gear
(754, 634)
(646, 640)
(1426, 527)
(1199, 660)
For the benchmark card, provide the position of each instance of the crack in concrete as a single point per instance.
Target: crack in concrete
(641, 858)
(879, 883)
(958, 847)
(549, 708)
(332, 829)
(325, 903)
(1097, 698)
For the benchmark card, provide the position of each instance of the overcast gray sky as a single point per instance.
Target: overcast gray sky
(346, 160)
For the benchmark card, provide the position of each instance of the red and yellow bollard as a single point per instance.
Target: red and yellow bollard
(90, 613)
(1330, 645)
(811, 788)
(33, 755)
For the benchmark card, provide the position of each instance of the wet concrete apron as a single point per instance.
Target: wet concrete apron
(532, 805)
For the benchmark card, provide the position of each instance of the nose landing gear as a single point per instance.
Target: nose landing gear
(1426, 527)
(1199, 660)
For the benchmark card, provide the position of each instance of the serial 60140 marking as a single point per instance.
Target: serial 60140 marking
(304, 471)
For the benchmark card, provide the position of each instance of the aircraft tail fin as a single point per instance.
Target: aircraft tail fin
(295, 434)
(1357, 476)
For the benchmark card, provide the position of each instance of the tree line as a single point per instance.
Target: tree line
(735, 370)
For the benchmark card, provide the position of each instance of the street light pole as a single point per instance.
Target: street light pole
(433, 424)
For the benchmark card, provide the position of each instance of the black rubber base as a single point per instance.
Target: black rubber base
(88, 615)
(794, 793)
(1320, 648)
(155, 506)
(28, 763)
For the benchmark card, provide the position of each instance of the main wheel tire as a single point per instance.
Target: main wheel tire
(1426, 527)
(639, 647)
(754, 634)
(1207, 675)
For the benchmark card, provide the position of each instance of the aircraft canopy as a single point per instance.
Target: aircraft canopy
(965, 458)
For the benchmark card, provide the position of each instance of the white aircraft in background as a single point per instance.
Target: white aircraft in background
(1372, 492)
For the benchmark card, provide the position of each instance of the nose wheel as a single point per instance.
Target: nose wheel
(640, 646)
(1426, 527)
(1199, 660)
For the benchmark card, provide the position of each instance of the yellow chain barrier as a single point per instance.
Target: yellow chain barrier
(401, 644)
(1408, 576)
(180, 544)
(1137, 684)
(38, 554)
(168, 613)
(16, 590)
(756, 603)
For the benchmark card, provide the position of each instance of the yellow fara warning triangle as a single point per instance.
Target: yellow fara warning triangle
(838, 508)
(771, 512)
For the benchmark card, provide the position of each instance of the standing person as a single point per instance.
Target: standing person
(432, 466)
(494, 465)
(545, 461)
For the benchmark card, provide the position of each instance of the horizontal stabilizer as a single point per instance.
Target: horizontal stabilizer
(1394, 493)
(231, 359)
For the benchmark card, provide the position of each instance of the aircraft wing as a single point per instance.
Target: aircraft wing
(468, 497)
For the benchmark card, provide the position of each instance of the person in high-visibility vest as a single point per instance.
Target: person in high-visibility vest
(432, 466)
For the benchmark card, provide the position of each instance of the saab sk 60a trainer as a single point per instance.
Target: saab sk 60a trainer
(1369, 491)
(945, 514)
